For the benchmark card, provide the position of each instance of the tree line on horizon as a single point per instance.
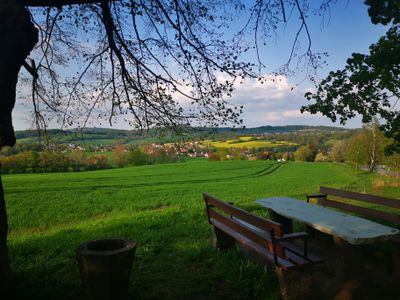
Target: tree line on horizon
(60, 159)
(360, 148)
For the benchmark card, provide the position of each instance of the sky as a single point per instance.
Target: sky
(345, 30)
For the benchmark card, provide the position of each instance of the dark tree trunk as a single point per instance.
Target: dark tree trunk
(18, 36)
(5, 272)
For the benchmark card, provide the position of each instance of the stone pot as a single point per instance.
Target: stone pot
(105, 266)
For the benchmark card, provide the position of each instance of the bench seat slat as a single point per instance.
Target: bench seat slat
(360, 196)
(296, 258)
(251, 234)
(295, 254)
(299, 251)
(292, 256)
(252, 247)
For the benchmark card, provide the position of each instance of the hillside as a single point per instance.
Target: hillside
(107, 136)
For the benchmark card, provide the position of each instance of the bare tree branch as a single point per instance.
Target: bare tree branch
(59, 3)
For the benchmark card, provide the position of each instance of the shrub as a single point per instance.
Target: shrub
(321, 157)
(213, 156)
(137, 157)
(303, 153)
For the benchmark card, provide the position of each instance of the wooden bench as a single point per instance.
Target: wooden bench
(325, 199)
(265, 240)
(337, 198)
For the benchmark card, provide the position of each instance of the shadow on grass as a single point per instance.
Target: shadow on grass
(174, 260)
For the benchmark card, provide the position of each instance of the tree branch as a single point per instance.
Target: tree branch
(59, 3)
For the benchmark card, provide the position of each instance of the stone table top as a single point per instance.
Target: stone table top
(352, 229)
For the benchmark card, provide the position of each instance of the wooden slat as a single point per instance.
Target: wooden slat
(360, 197)
(293, 236)
(298, 260)
(244, 215)
(369, 212)
(263, 233)
(300, 251)
(292, 256)
(252, 247)
(245, 231)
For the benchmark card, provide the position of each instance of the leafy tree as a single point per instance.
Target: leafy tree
(264, 155)
(79, 158)
(304, 153)
(214, 156)
(370, 83)
(374, 143)
(222, 153)
(288, 156)
(321, 157)
(97, 162)
(120, 156)
(52, 161)
(338, 152)
(137, 157)
(367, 147)
(356, 152)
(393, 162)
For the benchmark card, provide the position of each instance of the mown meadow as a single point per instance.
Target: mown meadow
(161, 207)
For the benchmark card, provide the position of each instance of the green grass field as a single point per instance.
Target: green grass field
(159, 206)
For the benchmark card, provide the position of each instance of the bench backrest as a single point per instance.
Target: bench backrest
(239, 220)
(368, 212)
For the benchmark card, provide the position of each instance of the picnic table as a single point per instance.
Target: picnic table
(354, 230)
(349, 233)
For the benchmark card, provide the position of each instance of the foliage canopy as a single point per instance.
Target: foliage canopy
(370, 83)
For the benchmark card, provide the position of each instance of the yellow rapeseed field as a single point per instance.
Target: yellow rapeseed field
(247, 142)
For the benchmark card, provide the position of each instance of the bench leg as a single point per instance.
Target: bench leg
(296, 284)
(287, 224)
(222, 241)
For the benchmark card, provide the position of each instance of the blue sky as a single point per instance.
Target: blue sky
(278, 102)
(348, 30)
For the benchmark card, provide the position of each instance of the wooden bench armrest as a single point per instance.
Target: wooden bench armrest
(293, 236)
(210, 205)
(315, 196)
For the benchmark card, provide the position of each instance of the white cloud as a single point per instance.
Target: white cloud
(276, 102)
(273, 88)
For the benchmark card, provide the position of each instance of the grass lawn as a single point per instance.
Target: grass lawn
(161, 207)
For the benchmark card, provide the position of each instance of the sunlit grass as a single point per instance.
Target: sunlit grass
(159, 206)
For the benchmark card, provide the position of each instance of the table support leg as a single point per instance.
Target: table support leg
(296, 284)
(287, 224)
(395, 247)
(349, 268)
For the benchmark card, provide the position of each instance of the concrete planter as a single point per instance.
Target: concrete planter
(105, 266)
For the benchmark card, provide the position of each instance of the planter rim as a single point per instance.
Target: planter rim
(128, 244)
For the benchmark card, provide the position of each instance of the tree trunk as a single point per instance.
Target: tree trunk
(18, 36)
(5, 272)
